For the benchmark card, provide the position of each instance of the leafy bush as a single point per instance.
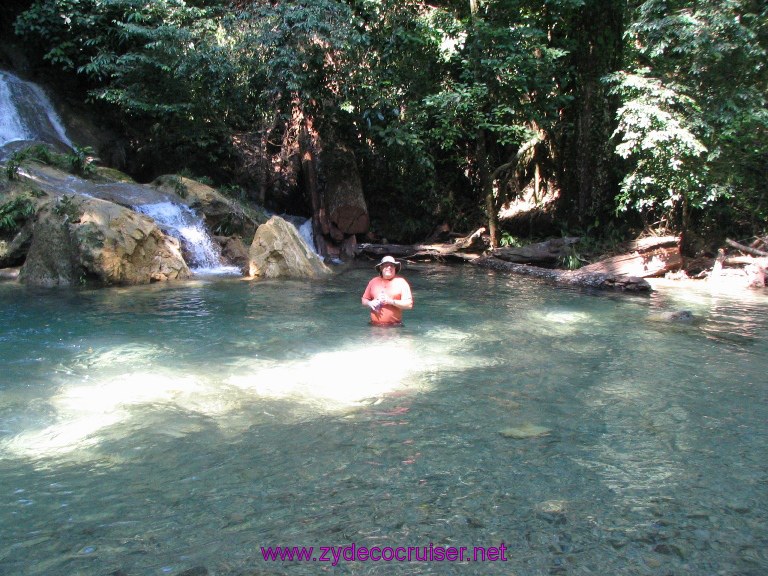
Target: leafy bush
(15, 212)
(38, 152)
(658, 138)
(79, 161)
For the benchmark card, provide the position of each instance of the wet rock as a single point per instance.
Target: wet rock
(234, 251)
(222, 215)
(77, 239)
(525, 431)
(196, 571)
(278, 251)
(672, 316)
(699, 515)
(9, 273)
(739, 507)
(14, 252)
(669, 550)
(618, 541)
(475, 523)
(553, 511)
(703, 539)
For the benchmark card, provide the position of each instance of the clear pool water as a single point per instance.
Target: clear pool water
(183, 427)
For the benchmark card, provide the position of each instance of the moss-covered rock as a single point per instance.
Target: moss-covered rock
(79, 240)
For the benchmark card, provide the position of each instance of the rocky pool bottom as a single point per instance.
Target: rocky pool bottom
(180, 428)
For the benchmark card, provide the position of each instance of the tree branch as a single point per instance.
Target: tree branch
(518, 156)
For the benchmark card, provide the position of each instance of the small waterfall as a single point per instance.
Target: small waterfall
(201, 253)
(26, 113)
(305, 231)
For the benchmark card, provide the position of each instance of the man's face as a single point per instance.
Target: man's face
(388, 271)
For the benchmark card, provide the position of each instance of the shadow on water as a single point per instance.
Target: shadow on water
(167, 428)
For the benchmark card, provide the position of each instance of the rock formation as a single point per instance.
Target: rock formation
(279, 251)
(78, 240)
(223, 216)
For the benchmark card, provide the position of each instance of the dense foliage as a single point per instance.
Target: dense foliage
(617, 108)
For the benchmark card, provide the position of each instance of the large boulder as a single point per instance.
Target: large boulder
(278, 250)
(78, 240)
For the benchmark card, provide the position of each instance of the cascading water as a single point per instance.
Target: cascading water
(26, 113)
(305, 231)
(181, 222)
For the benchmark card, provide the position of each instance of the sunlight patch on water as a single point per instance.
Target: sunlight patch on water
(119, 356)
(103, 405)
(337, 379)
(82, 411)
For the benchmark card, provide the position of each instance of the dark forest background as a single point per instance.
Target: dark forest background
(602, 118)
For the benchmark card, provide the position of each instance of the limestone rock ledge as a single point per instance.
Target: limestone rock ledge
(223, 216)
(83, 240)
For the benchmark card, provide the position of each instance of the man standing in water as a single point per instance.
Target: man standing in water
(387, 294)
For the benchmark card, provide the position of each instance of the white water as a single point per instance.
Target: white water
(26, 113)
(305, 231)
(201, 253)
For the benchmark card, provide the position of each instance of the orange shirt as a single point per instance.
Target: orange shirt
(395, 289)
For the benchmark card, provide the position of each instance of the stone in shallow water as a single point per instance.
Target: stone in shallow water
(525, 431)
(672, 316)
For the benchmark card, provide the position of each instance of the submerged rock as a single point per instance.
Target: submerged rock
(525, 431)
(80, 240)
(672, 316)
(279, 251)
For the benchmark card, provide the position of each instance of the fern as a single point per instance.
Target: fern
(16, 211)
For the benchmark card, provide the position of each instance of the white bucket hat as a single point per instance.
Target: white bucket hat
(388, 260)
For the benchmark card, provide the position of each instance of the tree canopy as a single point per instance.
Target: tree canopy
(629, 113)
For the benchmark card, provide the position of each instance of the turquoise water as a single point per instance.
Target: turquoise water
(182, 427)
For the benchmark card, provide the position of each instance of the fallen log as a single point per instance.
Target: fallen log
(747, 249)
(465, 249)
(644, 258)
(626, 273)
(436, 252)
(643, 265)
(546, 254)
(650, 243)
(597, 280)
(745, 261)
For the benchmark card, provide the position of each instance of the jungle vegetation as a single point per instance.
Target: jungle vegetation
(633, 115)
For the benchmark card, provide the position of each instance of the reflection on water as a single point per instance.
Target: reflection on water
(171, 428)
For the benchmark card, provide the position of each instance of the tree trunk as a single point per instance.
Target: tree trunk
(587, 170)
(343, 191)
(481, 145)
(486, 183)
(308, 145)
(644, 258)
